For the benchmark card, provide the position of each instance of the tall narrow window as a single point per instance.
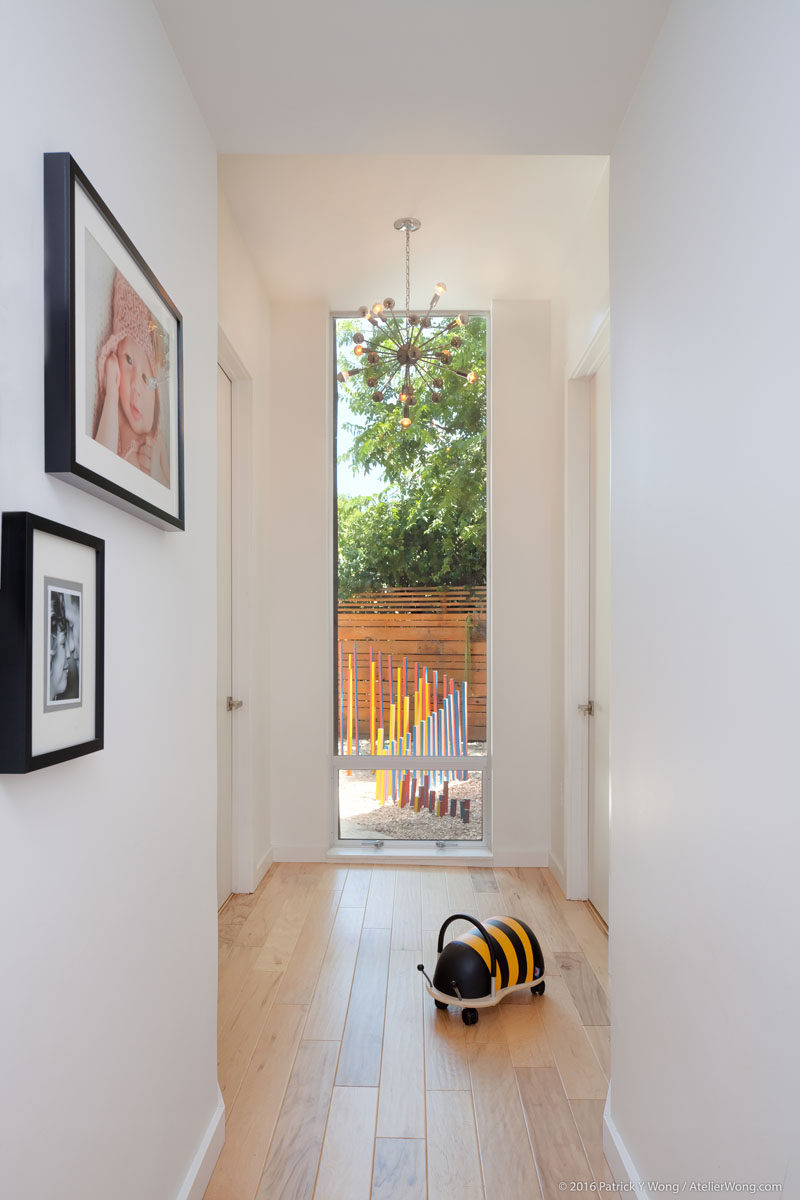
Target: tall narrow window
(411, 749)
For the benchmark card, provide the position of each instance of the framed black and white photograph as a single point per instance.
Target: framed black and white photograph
(63, 609)
(113, 357)
(52, 588)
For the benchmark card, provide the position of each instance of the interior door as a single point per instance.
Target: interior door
(600, 643)
(224, 652)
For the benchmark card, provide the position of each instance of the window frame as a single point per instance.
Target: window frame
(368, 762)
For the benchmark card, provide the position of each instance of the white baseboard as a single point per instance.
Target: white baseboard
(299, 853)
(199, 1173)
(399, 854)
(519, 858)
(618, 1158)
(557, 871)
(403, 853)
(263, 865)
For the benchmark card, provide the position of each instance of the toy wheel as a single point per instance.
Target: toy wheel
(440, 1004)
(539, 989)
(469, 1016)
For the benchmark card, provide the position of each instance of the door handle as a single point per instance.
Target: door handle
(587, 709)
(232, 704)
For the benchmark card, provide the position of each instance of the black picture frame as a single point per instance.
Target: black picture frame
(26, 706)
(85, 249)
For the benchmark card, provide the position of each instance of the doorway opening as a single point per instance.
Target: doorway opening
(599, 641)
(224, 639)
(587, 797)
(236, 870)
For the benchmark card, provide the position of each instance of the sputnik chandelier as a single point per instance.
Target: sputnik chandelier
(408, 357)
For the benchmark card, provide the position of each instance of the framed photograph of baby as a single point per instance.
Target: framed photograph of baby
(52, 589)
(113, 357)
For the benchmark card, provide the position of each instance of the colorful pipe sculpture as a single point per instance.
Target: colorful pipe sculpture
(421, 723)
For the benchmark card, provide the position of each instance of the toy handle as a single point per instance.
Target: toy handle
(481, 930)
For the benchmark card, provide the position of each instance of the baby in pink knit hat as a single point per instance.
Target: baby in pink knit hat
(128, 416)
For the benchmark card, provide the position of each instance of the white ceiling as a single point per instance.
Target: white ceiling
(422, 76)
(494, 227)
(473, 116)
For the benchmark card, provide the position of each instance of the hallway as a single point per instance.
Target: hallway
(341, 1079)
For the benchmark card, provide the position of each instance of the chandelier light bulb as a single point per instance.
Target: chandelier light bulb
(472, 377)
(377, 308)
(358, 351)
(440, 289)
(405, 420)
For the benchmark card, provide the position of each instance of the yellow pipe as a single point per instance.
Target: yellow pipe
(372, 706)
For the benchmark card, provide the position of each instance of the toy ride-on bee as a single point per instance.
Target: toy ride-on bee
(476, 970)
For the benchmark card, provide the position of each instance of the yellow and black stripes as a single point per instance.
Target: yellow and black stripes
(463, 968)
(516, 948)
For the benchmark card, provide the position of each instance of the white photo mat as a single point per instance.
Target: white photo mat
(60, 728)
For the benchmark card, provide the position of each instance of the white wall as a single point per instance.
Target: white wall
(583, 289)
(526, 588)
(300, 588)
(705, 888)
(107, 871)
(244, 319)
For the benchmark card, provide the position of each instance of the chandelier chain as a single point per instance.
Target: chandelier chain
(408, 277)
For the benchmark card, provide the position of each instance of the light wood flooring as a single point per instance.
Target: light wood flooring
(342, 1080)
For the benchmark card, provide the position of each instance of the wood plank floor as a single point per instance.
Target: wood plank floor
(340, 1077)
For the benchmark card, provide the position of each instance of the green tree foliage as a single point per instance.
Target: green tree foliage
(428, 524)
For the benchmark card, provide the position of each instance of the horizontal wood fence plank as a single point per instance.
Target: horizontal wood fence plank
(446, 620)
(421, 625)
(393, 598)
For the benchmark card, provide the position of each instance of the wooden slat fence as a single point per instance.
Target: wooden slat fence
(442, 630)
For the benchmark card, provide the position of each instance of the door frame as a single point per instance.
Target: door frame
(577, 552)
(242, 555)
